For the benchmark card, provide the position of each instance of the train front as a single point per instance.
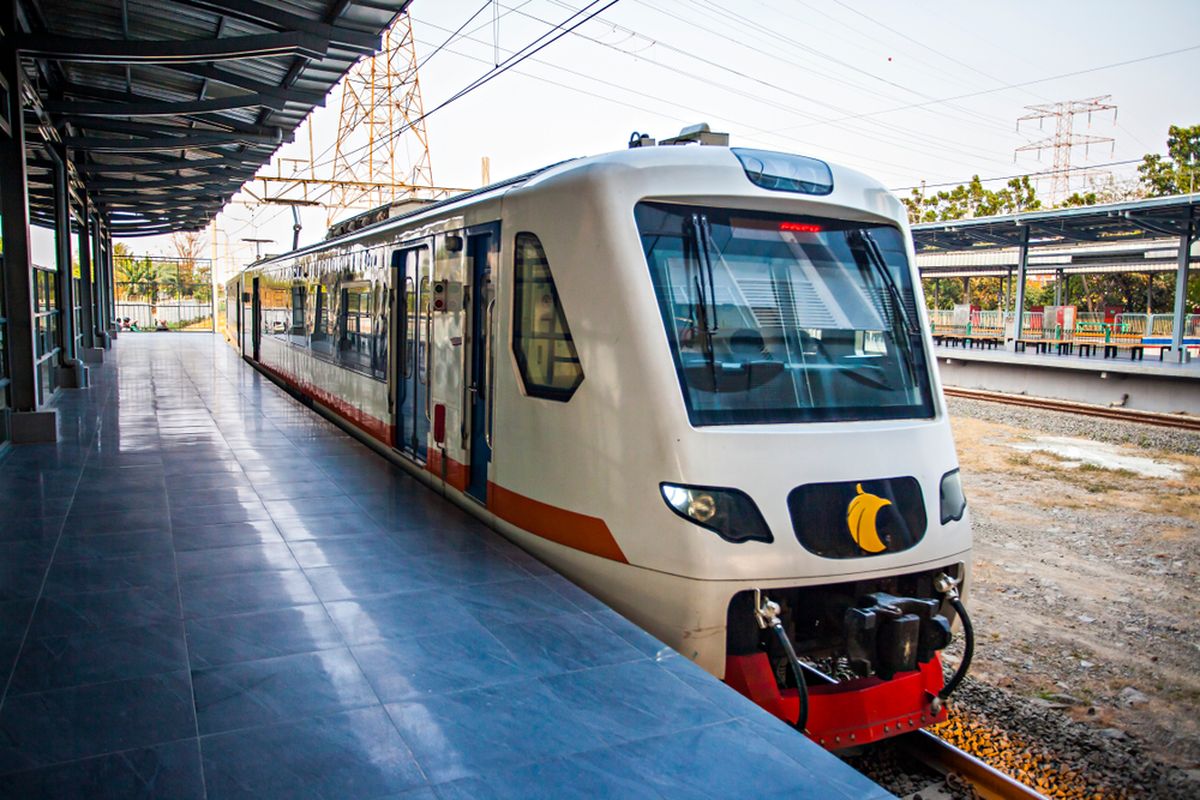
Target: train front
(818, 540)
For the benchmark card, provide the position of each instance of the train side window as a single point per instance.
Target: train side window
(322, 330)
(379, 323)
(356, 339)
(296, 331)
(542, 340)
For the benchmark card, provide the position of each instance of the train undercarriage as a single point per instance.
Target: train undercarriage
(850, 663)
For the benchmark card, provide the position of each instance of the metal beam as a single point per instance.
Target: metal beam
(14, 226)
(224, 76)
(135, 106)
(229, 161)
(1181, 285)
(268, 136)
(196, 141)
(250, 11)
(70, 368)
(218, 178)
(177, 51)
(87, 326)
(1022, 273)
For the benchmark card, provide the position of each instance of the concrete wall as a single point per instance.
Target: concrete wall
(1151, 390)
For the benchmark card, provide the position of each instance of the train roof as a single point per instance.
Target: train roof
(638, 158)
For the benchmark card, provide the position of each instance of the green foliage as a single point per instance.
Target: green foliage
(1085, 199)
(1175, 173)
(972, 200)
(135, 277)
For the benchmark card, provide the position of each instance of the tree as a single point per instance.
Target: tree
(188, 247)
(970, 200)
(1176, 172)
(135, 277)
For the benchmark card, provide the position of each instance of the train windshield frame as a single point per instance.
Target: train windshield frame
(776, 318)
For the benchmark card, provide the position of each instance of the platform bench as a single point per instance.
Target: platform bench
(1136, 350)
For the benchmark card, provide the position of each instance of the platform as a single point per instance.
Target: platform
(1145, 385)
(206, 590)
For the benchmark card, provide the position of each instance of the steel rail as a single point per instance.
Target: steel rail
(1105, 412)
(940, 755)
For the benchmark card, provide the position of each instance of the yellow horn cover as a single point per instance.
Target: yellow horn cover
(861, 519)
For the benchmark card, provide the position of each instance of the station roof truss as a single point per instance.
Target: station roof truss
(1156, 218)
(166, 107)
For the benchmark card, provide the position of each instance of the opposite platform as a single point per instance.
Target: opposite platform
(207, 590)
(1146, 385)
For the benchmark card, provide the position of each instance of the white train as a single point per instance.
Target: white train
(696, 380)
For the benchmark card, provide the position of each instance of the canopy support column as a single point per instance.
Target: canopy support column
(1181, 284)
(27, 423)
(71, 372)
(1022, 271)
(89, 352)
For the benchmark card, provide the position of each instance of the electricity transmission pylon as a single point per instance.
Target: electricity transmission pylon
(381, 155)
(1065, 140)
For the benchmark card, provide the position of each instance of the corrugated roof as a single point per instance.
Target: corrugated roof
(1113, 222)
(168, 106)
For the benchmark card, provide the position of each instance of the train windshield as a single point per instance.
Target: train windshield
(777, 318)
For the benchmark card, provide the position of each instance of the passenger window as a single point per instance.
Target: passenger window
(354, 345)
(322, 331)
(379, 345)
(296, 333)
(542, 341)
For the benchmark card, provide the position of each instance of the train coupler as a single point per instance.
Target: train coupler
(848, 713)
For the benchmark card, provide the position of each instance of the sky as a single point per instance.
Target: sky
(906, 92)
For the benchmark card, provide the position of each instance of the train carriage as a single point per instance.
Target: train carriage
(694, 379)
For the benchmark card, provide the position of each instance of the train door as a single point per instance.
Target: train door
(413, 278)
(482, 254)
(255, 318)
(237, 298)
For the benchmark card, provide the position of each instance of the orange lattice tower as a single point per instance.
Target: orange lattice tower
(382, 150)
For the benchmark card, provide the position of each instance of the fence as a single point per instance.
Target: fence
(177, 315)
(175, 291)
(1062, 323)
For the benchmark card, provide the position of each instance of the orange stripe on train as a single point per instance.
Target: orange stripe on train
(569, 528)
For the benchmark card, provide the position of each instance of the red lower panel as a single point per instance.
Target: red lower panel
(582, 532)
(375, 428)
(849, 713)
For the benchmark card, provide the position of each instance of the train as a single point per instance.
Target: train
(695, 379)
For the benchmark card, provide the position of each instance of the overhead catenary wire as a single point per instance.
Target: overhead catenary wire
(765, 30)
(1006, 87)
(725, 35)
(453, 35)
(536, 46)
(658, 112)
(892, 133)
(1125, 162)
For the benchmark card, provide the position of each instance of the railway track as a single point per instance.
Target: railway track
(942, 757)
(1105, 412)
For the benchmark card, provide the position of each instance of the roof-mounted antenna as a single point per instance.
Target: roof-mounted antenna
(640, 140)
(700, 134)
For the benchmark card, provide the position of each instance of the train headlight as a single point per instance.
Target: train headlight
(954, 502)
(729, 513)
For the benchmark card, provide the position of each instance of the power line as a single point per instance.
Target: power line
(517, 57)
(450, 38)
(1010, 177)
(702, 113)
(1006, 87)
(760, 30)
(893, 131)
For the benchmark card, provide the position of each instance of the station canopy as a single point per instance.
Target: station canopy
(1113, 222)
(169, 106)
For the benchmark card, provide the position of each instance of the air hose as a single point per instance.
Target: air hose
(949, 587)
(767, 612)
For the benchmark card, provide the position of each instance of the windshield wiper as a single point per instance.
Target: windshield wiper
(698, 239)
(907, 330)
